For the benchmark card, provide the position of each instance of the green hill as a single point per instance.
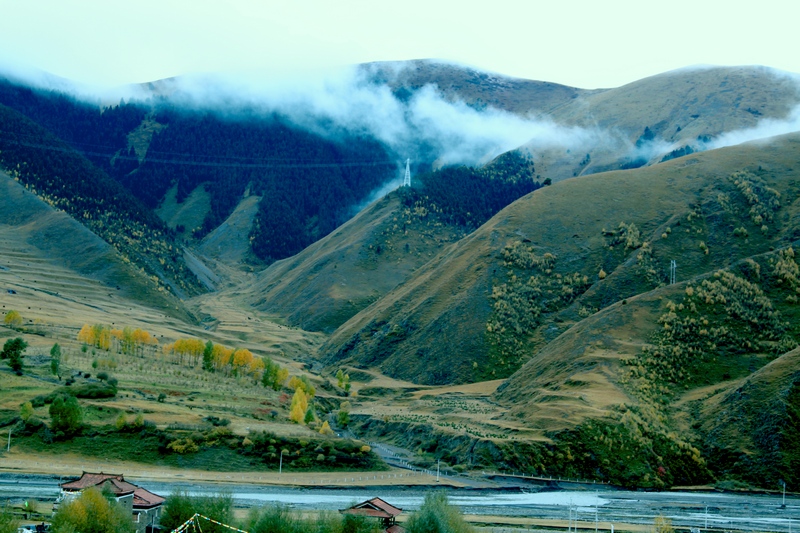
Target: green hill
(574, 304)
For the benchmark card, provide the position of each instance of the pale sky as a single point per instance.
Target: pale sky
(586, 44)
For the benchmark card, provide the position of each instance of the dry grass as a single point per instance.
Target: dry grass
(71, 465)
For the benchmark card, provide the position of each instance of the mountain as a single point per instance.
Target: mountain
(575, 306)
(486, 317)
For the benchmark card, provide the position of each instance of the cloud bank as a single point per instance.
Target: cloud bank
(765, 128)
(339, 101)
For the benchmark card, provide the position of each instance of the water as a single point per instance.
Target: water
(722, 511)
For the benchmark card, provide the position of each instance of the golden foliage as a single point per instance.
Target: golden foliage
(13, 319)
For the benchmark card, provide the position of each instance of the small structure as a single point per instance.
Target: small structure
(377, 508)
(144, 506)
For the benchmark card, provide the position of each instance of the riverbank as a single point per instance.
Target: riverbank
(66, 465)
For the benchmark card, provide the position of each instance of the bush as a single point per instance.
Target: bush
(12, 350)
(65, 414)
(92, 512)
(437, 516)
(8, 524)
(180, 506)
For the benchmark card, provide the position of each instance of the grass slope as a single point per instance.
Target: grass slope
(607, 361)
(334, 278)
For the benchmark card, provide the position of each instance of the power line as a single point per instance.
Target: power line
(259, 162)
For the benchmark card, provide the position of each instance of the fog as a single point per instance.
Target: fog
(765, 128)
(345, 100)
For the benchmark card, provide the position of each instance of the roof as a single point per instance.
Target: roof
(144, 499)
(374, 507)
(394, 528)
(115, 482)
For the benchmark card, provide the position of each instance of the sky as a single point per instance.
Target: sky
(587, 44)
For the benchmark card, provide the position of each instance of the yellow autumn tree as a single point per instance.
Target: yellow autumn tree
(326, 429)
(221, 355)
(86, 335)
(242, 359)
(187, 351)
(302, 383)
(256, 367)
(142, 338)
(13, 319)
(299, 406)
(91, 511)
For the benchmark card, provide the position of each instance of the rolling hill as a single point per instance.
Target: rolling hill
(575, 307)
(481, 323)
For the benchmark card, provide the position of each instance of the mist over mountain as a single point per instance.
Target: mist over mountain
(518, 299)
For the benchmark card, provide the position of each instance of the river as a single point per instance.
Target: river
(717, 511)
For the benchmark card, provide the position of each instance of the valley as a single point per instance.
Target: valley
(516, 315)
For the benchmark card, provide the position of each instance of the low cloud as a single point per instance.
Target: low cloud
(765, 128)
(334, 102)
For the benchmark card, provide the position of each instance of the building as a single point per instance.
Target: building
(144, 506)
(377, 508)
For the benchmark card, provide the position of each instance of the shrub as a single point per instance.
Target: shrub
(437, 516)
(66, 415)
(13, 319)
(180, 506)
(91, 511)
(8, 524)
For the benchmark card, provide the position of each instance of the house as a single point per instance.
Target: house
(144, 506)
(379, 509)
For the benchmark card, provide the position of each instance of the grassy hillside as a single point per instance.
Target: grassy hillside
(574, 304)
(36, 238)
(674, 112)
(330, 281)
(66, 180)
(333, 279)
(477, 88)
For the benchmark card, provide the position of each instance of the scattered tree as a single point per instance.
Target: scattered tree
(437, 516)
(297, 411)
(66, 415)
(208, 357)
(92, 512)
(12, 350)
(180, 506)
(13, 319)
(273, 376)
(55, 360)
(8, 524)
(26, 411)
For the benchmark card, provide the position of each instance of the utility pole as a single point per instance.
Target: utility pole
(783, 503)
(407, 177)
(280, 464)
(569, 527)
(8, 449)
(437, 470)
(595, 512)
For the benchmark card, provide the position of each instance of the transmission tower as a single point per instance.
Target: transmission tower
(673, 268)
(407, 177)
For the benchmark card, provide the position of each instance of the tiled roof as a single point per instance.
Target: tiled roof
(91, 479)
(366, 511)
(374, 507)
(118, 485)
(144, 499)
(389, 508)
(394, 528)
